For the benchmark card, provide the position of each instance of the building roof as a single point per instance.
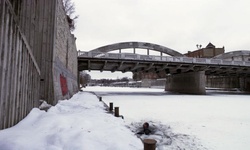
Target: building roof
(210, 45)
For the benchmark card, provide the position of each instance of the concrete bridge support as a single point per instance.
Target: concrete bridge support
(245, 84)
(187, 83)
(227, 83)
(223, 82)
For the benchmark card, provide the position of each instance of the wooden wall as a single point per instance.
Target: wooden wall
(19, 71)
(29, 41)
(37, 21)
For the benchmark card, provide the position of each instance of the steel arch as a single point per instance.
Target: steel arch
(142, 45)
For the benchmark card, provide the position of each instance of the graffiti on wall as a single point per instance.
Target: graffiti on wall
(64, 86)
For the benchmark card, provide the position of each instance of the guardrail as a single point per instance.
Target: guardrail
(133, 56)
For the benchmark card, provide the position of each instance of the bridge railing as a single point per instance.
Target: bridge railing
(163, 58)
(215, 61)
(246, 63)
(238, 62)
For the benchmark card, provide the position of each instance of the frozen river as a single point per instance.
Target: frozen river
(218, 120)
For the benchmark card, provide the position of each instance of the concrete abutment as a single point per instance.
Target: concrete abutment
(187, 83)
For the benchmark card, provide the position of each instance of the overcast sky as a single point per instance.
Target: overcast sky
(177, 24)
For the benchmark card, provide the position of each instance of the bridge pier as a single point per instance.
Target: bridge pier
(245, 84)
(223, 82)
(187, 83)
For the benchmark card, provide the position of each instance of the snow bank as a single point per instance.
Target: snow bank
(80, 123)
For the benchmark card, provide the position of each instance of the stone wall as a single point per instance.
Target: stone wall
(65, 58)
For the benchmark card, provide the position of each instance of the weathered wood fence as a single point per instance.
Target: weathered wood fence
(19, 71)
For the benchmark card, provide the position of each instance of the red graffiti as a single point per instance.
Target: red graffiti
(64, 86)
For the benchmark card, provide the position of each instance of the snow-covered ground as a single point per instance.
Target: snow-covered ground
(216, 121)
(80, 123)
(213, 121)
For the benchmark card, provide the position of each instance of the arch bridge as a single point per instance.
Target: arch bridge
(181, 71)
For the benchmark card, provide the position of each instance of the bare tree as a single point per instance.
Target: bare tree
(84, 78)
(69, 8)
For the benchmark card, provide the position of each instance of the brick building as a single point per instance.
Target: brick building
(208, 52)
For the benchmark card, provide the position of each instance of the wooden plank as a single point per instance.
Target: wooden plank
(44, 54)
(22, 16)
(50, 49)
(54, 30)
(27, 102)
(22, 80)
(39, 33)
(2, 29)
(15, 78)
(8, 80)
(32, 86)
(33, 36)
(36, 46)
(27, 21)
(32, 27)
(9, 71)
(4, 70)
(14, 73)
(40, 48)
(26, 59)
(25, 83)
(2, 14)
(18, 94)
(37, 86)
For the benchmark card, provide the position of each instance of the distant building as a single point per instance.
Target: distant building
(208, 52)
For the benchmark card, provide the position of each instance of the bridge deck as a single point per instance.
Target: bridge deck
(134, 62)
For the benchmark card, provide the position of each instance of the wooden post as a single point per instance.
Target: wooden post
(149, 144)
(117, 111)
(110, 106)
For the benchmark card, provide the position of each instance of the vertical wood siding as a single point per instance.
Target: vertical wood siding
(28, 45)
(19, 71)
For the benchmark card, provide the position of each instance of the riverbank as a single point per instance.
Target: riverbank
(81, 123)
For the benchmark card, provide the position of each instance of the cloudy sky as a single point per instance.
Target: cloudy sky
(177, 24)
